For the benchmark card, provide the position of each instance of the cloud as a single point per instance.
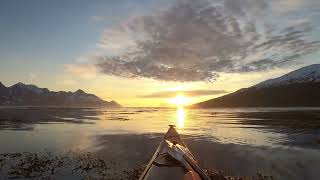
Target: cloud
(168, 94)
(67, 82)
(197, 40)
(97, 18)
(84, 71)
(32, 77)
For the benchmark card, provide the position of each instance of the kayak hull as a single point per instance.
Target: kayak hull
(162, 166)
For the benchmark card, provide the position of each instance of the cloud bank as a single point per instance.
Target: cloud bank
(169, 94)
(196, 40)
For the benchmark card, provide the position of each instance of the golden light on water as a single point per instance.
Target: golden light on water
(180, 101)
(181, 115)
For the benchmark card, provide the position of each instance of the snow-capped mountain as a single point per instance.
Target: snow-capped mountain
(1, 85)
(299, 88)
(81, 95)
(30, 95)
(29, 87)
(306, 74)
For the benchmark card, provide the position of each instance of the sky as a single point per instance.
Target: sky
(143, 52)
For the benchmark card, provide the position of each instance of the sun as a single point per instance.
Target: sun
(180, 100)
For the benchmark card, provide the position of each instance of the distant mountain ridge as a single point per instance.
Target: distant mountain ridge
(30, 95)
(299, 88)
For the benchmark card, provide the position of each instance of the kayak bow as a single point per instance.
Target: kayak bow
(172, 160)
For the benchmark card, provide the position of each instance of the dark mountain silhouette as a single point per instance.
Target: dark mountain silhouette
(30, 95)
(300, 88)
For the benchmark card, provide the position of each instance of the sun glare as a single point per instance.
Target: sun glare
(180, 100)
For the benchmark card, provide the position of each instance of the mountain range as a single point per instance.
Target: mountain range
(30, 95)
(299, 88)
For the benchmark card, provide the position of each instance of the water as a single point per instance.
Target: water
(283, 142)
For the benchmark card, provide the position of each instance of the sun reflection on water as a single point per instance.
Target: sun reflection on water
(181, 115)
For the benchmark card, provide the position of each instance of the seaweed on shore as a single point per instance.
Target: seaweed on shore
(75, 165)
(215, 175)
(50, 166)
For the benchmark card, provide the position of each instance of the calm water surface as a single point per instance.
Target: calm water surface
(283, 142)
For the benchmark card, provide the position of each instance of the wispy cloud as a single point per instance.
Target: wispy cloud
(84, 71)
(285, 6)
(197, 40)
(32, 77)
(66, 82)
(97, 18)
(193, 93)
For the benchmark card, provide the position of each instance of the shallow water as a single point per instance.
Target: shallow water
(283, 142)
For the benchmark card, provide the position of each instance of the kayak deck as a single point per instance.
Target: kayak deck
(162, 165)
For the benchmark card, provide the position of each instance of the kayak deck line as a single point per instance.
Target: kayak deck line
(172, 160)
